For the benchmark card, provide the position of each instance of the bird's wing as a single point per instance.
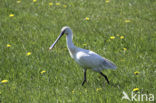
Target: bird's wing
(103, 62)
(92, 60)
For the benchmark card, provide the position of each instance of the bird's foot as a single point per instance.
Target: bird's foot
(83, 82)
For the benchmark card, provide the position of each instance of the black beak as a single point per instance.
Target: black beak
(61, 34)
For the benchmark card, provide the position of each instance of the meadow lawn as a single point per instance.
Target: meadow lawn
(123, 31)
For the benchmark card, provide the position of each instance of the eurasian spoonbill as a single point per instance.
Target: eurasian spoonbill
(85, 58)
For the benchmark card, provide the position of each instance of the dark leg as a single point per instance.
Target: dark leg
(84, 77)
(105, 77)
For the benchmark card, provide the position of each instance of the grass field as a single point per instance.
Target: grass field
(123, 31)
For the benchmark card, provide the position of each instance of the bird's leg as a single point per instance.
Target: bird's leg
(84, 77)
(105, 77)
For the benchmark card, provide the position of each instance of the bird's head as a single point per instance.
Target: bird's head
(65, 30)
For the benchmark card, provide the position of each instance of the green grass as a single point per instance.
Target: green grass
(35, 26)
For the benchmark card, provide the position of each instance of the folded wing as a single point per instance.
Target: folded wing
(92, 60)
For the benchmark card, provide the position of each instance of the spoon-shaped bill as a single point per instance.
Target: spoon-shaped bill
(56, 41)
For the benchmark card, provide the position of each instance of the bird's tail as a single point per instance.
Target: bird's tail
(108, 64)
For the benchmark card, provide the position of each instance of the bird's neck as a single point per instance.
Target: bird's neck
(69, 38)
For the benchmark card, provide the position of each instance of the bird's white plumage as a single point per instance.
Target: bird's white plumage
(86, 58)
(91, 60)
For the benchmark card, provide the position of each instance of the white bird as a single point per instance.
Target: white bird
(85, 58)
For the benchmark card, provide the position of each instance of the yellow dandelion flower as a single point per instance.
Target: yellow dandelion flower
(29, 53)
(43, 71)
(65, 6)
(117, 35)
(11, 15)
(136, 73)
(18, 1)
(50, 4)
(127, 21)
(4, 81)
(136, 89)
(84, 44)
(57, 4)
(34, 1)
(112, 37)
(98, 89)
(87, 18)
(8, 45)
(121, 37)
(73, 91)
(107, 1)
(124, 49)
